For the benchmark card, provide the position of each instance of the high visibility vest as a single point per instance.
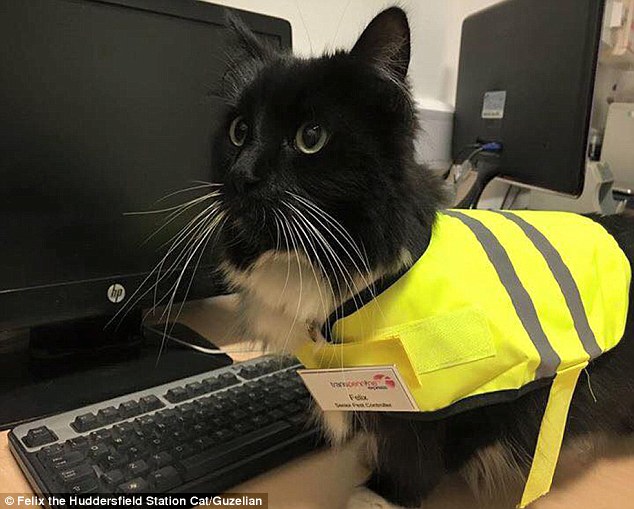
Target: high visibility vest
(500, 303)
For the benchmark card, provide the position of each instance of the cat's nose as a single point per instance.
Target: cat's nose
(243, 181)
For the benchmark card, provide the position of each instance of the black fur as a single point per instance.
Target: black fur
(365, 176)
(367, 179)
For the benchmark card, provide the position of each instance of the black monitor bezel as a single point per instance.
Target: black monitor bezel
(72, 300)
(465, 132)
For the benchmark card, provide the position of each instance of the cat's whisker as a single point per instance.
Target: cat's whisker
(142, 290)
(187, 236)
(324, 244)
(298, 230)
(210, 209)
(315, 211)
(353, 291)
(172, 208)
(310, 234)
(288, 257)
(176, 214)
(301, 285)
(201, 242)
(200, 185)
(336, 302)
(336, 224)
(202, 236)
(301, 17)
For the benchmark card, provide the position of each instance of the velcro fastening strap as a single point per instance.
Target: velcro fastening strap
(443, 341)
(551, 434)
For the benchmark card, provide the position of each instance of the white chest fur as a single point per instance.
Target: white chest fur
(281, 297)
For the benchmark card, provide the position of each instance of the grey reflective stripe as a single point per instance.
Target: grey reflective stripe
(524, 307)
(564, 279)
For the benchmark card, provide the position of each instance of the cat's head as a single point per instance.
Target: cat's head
(317, 155)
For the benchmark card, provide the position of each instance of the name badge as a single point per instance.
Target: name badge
(367, 389)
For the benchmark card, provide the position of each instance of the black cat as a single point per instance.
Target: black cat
(321, 196)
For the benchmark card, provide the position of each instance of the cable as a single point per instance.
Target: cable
(198, 348)
(492, 146)
(484, 174)
(446, 173)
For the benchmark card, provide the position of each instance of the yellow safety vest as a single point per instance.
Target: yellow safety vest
(500, 303)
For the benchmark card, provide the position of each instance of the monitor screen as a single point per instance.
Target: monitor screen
(105, 108)
(526, 79)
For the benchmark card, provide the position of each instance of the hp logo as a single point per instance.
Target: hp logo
(116, 293)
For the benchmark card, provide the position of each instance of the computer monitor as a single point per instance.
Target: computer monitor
(105, 108)
(526, 79)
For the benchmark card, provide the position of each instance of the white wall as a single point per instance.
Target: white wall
(320, 25)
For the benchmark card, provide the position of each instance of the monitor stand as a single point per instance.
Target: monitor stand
(597, 195)
(59, 367)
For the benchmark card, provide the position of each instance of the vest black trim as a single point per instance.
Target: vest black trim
(475, 402)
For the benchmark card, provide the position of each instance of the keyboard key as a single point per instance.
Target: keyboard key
(108, 415)
(150, 402)
(238, 415)
(227, 380)
(249, 372)
(51, 450)
(125, 429)
(223, 435)
(164, 479)
(87, 485)
(130, 408)
(136, 452)
(182, 451)
(78, 444)
(244, 427)
(299, 420)
(98, 450)
(102, 435)
(186, 409)
(113, 478)
(137, 468)
(76, 473)
(138, 485)
(167, 416)
(85, 422)
(212, 384)
(261, 420)
(39, 436)
(195, 389)
(160, 460)
(113, 460)
(66, 460)
(234, 451)
(176, 395)
(203, 442)
(276, 414)
(146, 423)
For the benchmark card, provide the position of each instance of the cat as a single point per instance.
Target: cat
(322, 197)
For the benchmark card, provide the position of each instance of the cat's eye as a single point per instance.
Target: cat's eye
(310, 138)
(238, 131)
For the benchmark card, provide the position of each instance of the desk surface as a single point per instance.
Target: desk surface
(324, 480)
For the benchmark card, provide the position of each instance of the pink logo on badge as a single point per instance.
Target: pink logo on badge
(387, 380)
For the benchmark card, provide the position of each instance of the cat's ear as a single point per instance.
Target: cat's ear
(246, 40)
(385, 43)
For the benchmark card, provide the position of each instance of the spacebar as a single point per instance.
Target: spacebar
(236, 450)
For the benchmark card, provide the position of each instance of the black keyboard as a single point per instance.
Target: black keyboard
(202, 434)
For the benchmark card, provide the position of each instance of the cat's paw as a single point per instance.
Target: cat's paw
(363, 498)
